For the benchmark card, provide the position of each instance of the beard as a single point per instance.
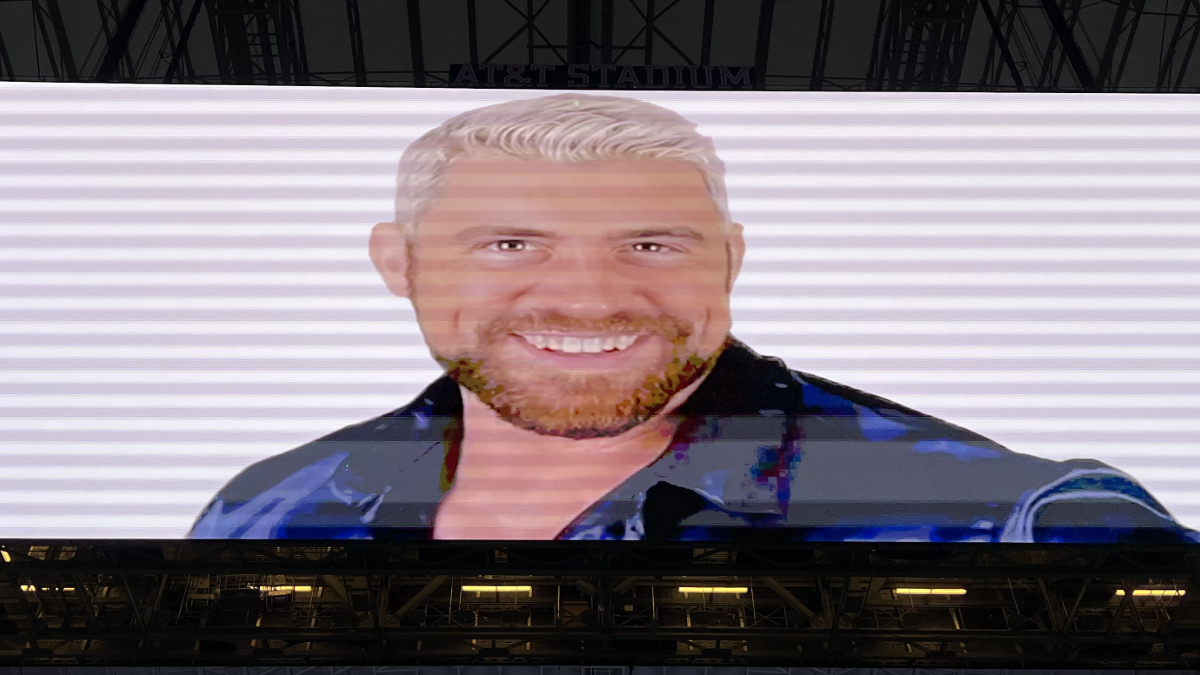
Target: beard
(576, 405)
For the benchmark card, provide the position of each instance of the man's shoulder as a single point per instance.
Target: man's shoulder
(871, 461)
(403, 435)
(397, 454)
(835, 410)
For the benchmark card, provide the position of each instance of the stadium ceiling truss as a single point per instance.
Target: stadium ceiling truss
(926, 45)
(219, 603)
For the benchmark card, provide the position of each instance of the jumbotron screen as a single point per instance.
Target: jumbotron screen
(417, 314)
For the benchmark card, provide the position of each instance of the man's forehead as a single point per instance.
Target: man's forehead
(497, 169)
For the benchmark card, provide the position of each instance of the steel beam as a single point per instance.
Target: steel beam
(1066, 37)
(120, 40)
(64, 43)
(706, 34)
(1130, 35)
(816, 80)
(416, 42)
(788, 597)
(6, 68)
(762, 45)
(1114, 35)
(356, 43)
(1187, 54)
(1001, 41)
(472, 34)
(420, 595)
(181, 46)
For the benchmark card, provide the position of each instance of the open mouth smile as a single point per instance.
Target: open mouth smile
(568, 343)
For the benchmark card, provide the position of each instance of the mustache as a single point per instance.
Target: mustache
(672, 328)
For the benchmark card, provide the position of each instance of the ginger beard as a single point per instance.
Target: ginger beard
(571, 404)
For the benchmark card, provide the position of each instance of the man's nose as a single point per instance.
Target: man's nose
(583, 282)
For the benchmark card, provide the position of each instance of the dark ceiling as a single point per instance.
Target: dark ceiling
(946, 45)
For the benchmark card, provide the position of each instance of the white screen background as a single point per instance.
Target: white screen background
(185, 289)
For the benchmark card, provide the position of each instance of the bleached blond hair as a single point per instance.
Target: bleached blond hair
(564, 127)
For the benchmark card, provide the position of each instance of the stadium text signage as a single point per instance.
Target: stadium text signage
(585, 76)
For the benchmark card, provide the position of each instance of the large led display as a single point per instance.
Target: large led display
(297, 313)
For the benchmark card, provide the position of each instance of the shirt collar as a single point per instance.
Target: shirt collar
(732, 443)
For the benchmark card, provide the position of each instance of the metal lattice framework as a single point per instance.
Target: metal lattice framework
(961, 45)
(196, 603)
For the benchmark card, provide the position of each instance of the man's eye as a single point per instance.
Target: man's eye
(649, 247)
(509, 245)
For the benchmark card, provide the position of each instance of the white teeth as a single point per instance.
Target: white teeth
(573, 345)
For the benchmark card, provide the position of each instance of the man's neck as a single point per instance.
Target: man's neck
(515, 483)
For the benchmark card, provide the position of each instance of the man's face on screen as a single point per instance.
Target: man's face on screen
(575, 299)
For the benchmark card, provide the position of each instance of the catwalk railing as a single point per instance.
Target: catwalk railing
(370, 602)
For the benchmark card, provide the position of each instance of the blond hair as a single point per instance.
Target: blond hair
(564, 127)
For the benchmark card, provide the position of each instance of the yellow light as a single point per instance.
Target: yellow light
(29, 589)
(298, 589)
(929, 591)
(497, 589)
(713, 589)
(1153, 593)
(5, 556)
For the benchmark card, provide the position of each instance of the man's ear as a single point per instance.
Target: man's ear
(735, 246)
(389, 252)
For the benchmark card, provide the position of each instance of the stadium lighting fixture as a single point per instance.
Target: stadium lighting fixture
(494, 588)
(5, 556)
(1153, 593)
(929, 591)
(298, 589)
(713, 589)
(29, 589)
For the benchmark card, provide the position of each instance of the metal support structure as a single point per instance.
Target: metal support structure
(356, 42)
(1189, 13)
(472, 33)
(706, 34)
(762, 48)
(369, 602)
(1065, 34)
(1042, 45)
(416, 43)
(181, 48)
(579, 31)
(821, 52)
(120, 40)
(64, 44)
(6, 69)
(1000, 40)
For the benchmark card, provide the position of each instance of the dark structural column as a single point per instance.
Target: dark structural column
(579, 31)
(416, 45)
(1066, 36)
(356, 43)
(762, 49)
(120, 40)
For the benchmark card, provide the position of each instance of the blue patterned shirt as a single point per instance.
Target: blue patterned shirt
(760, 452)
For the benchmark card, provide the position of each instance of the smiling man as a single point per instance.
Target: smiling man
(570, 260)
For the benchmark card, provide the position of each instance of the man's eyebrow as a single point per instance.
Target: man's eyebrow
(652, 232)
(514, 231)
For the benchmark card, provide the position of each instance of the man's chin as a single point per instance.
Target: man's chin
(579, 408)
(574, 427)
